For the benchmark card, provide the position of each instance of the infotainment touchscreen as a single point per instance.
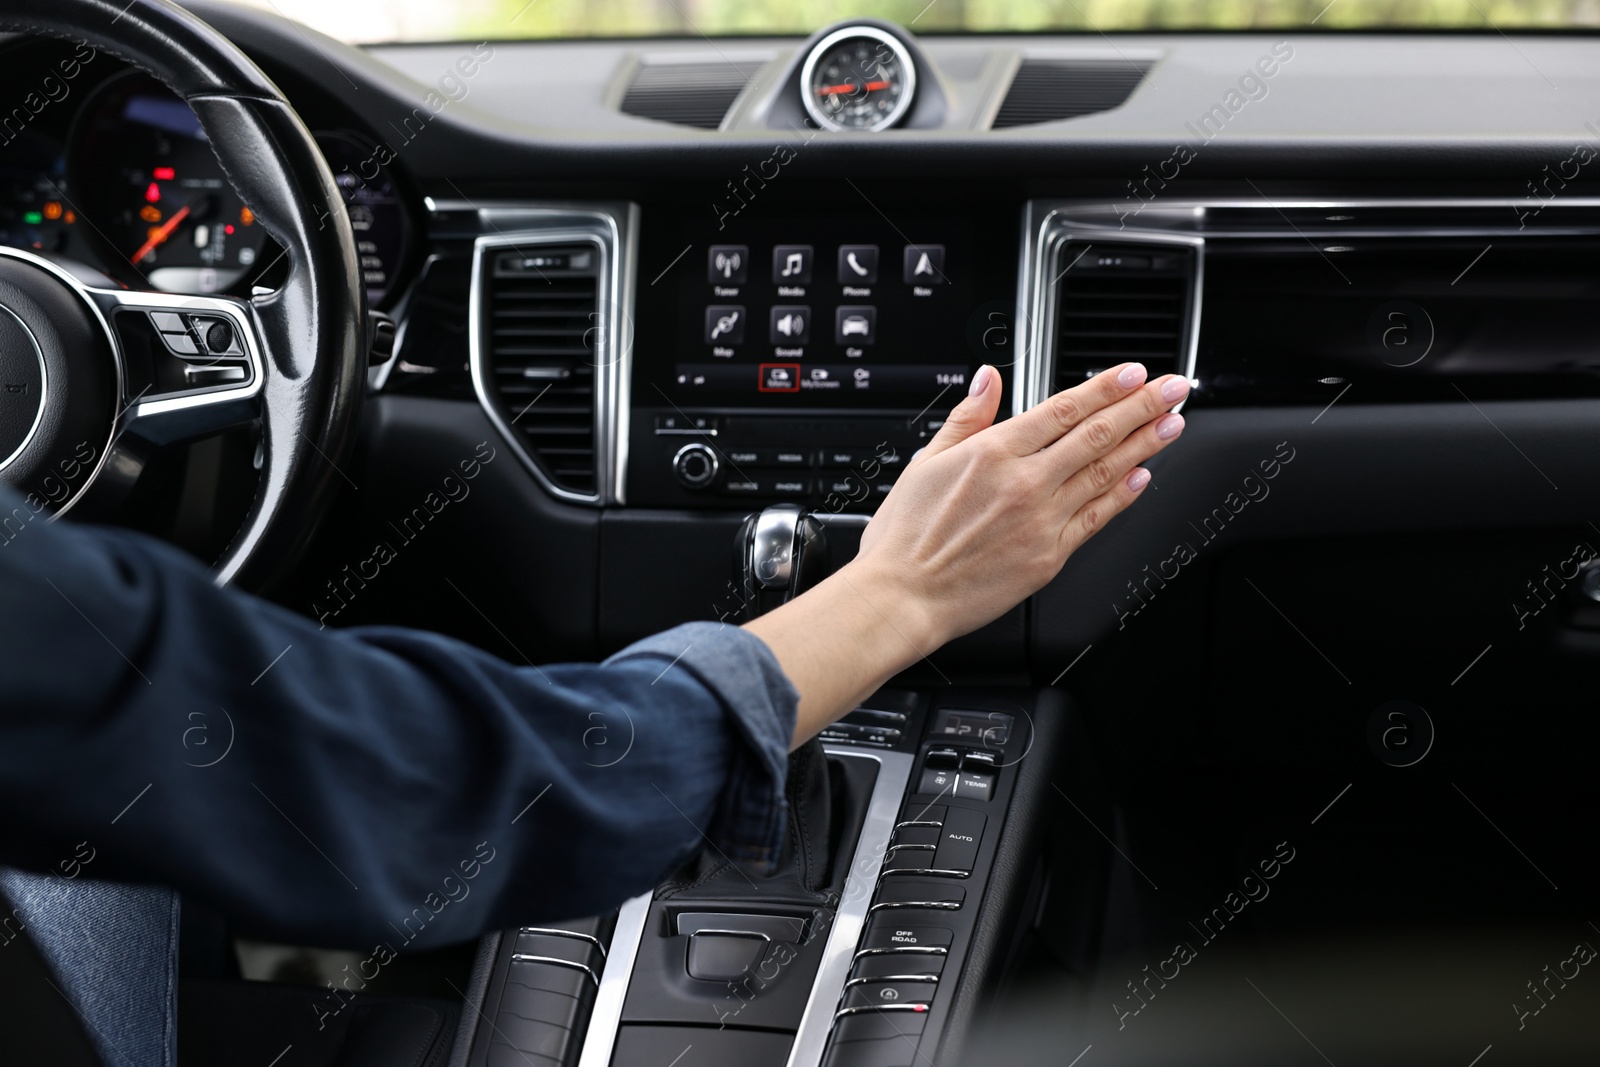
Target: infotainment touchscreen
(825, 308)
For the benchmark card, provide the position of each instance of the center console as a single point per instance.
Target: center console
(865, 973)
(851, 951)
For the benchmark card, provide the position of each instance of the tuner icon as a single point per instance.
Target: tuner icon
(728, 264)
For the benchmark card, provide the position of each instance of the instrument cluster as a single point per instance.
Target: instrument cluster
(107, 167)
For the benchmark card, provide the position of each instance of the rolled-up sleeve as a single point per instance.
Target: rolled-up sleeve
(371, 784)
(761, 701)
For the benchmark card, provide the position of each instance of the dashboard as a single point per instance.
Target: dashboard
(671, 282)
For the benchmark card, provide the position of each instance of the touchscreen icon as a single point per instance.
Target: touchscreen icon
(855, 325)
(924, 265)
(779, 378)
(791, 325)
(724, 324)
(729, 264)
(791, 265)
(858, 264)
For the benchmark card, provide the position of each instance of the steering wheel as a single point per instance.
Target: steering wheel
(71, 414)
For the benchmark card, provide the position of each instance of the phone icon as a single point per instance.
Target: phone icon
(858, 264)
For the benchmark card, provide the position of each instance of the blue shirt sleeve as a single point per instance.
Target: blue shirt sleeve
(372, 785)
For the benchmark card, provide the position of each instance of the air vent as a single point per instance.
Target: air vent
(1047, 90)
(688, 94)
(541, 312)
(1116, 303)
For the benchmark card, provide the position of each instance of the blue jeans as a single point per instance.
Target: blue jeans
(112, 951)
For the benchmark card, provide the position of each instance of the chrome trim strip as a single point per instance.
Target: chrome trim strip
(932, 905)
(552, 932)
(888, 793)
(751, 934)
(928, 950)
(892, 978)
(613, 230)
(606, 1015)
(936, 871)
(527, 957)
(864, 1008)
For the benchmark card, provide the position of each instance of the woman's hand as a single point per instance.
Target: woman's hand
(979, 520)
(986, 515)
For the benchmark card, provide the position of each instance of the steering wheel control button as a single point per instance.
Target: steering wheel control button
(790, 325)
(219, 336)
(791, 265)
(858, 265)
(855, 325)
(168, 322)
(22, 383)
(181, 344)
(924, 264)
(725, 324)
(728, 265)
(695, 466)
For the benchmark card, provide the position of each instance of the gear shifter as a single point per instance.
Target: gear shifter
(779, 553)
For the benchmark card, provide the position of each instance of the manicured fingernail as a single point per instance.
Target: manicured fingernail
(1175, 389)
(1132, 375)
(1138, 479)
(1169, 427)
(980, 381)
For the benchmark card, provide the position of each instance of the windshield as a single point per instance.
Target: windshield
(433, 20)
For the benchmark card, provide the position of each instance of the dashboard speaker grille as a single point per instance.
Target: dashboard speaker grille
(539, 344)
(1046, 90)
(1116, 303)
(687, 94)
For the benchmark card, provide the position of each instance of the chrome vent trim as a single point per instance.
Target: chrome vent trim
(1044, 262)
(610, 230)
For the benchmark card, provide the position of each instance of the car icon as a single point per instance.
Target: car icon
(856, 324)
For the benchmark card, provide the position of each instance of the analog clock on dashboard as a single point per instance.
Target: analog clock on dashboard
(858, 78)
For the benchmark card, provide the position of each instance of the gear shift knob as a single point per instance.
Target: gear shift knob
(779, 553)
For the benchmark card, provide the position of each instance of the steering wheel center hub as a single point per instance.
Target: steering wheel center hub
(22, 385)
(58, 376)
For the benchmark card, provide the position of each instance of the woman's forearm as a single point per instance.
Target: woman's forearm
(842, 640)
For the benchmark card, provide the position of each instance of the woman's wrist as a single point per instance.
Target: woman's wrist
(910, 628)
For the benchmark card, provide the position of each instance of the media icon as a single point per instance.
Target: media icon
(855, 325)
(728, 264)
(858, 264)
(791, 265)
(791, 325)
(724, 324)
(924, 265)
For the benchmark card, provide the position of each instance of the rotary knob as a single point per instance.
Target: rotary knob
(695, 466)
